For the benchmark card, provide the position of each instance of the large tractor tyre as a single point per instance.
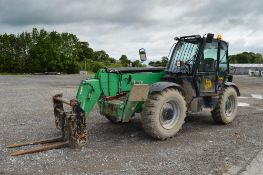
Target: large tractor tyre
(112, 119)
(164, 113)
(226, 108)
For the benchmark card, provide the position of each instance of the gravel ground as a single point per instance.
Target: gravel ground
(201, 147)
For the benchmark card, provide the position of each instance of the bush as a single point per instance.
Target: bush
(97, 65)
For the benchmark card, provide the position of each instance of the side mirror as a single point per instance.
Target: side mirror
(209, 38)
(142, 54)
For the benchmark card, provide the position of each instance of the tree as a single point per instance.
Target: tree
(43, 51)
(39, 51)
(137, 63)
(162, 63)
(124, 60)
(152, 63)
(86, 52)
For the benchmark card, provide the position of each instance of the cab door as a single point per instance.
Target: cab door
(207, 70)
(223, 64)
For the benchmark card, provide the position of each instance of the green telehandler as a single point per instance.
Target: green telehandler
(197, 78)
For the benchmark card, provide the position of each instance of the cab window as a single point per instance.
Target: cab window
(209, 58)
(223, 68)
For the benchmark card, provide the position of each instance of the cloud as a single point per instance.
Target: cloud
(124, 26)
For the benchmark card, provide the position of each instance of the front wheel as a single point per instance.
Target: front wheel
(226, 108)
(164, 113)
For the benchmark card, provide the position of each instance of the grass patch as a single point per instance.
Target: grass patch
(6, 73)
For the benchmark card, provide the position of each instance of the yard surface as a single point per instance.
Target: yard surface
(201, 147)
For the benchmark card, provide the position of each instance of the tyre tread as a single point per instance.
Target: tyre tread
(148, 112)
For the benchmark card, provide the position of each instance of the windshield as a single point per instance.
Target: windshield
(184, 52)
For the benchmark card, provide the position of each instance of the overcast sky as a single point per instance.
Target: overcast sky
(124, 26)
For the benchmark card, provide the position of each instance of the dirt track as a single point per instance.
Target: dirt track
(201, 147)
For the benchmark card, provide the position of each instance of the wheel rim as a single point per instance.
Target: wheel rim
(169, 114)
(230, 105)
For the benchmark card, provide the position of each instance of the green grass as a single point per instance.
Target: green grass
(90, 74)
(6, 73)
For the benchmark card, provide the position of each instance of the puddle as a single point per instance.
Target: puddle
(243, 104)
(242, 97)
(256, 96)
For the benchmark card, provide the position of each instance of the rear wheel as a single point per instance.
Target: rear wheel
(164, 113)
(226, 108)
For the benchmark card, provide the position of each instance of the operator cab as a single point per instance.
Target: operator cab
(199, 53)
(204, 59)
(200, 66)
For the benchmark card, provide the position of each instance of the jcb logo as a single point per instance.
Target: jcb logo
(207, 84)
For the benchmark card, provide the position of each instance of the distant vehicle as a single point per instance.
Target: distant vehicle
(48, 73)
(255, 73)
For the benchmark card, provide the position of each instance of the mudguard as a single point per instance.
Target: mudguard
(234, 86)
(160, 86)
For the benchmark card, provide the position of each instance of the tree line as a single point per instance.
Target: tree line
(42, 51)
(162, 63)
(246, 58)
(240, 58)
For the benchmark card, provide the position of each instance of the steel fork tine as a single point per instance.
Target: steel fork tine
(40, 149)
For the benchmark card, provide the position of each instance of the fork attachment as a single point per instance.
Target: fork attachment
(71, 123)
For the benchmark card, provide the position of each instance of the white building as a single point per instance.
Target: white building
(243, 69)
